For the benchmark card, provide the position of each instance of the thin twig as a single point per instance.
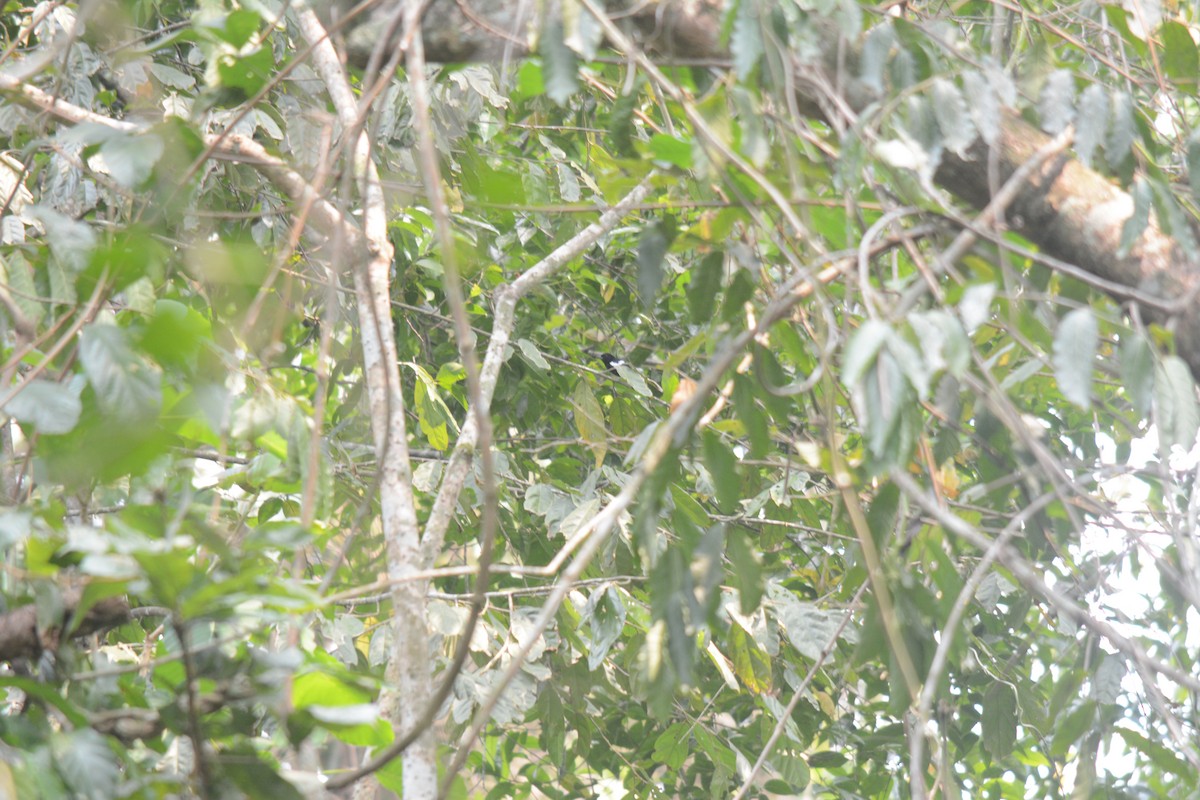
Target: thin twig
(797, 694)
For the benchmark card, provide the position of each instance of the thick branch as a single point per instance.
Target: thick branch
(20, 637)
(1071, 212)
(506, 298)
(1075, 214)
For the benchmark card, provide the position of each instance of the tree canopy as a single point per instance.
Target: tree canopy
(650, 400)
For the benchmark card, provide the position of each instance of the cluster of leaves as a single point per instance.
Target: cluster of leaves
(167, 347)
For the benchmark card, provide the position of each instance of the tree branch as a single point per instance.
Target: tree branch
(20, 637)
(505, 302)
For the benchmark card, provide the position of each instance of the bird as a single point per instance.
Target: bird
(611, 362)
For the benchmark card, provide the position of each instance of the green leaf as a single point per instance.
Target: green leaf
(1175, 398)
(747, 571)
(605, 611)
(51, 408)
(1121, 130)
(863, 347)
(943, 341)
(1160, 755)
(432, 414)
(714, 748)
(916, 369)
(128, 388)
(875, 52)
(246, 73)
(170, 573)
(751, 137)
(345, 709)
(252, 773)
(1131, 231)
(532, 354)
(652, 251)
(131, 159)
(985, 105)
(621, 126)
(975, 307)
(1137, 370)
(1193, 162)
(634, 379)
(584, 34)
(1180, 58)
(669, 582)
(751, 665)
(1070, 729)
(793, 771)
(691, 509)
(746, 44)
(671, 150)
(176, 334)
(86, 763)
(560, 66)
(1075, 346)
(704, 287)
(808, 627)
(1107, 679)
(722, 466)
(999, 720)
(754, 418)
(237, 27)
(826, 759)
(531, 80)
(71, 241)
(1092, 128)
(589, 420)
(1057, 104)
(17, 274)
(671, 747)
(887, 408)
(953, 117)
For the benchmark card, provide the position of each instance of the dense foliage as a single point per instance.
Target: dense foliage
(880, 496)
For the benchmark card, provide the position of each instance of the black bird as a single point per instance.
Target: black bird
(611, 362)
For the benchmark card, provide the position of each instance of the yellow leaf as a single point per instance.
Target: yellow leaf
(589, 420)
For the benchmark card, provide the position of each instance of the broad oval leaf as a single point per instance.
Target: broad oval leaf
(652, 251)
(1175, 401)
(746, 44)
(671, 149)
(1057, 104)
(1180, 59)
(705, 285)
(875, 52)
(1143, 198)
(975, 307)
(1093, 122)
(1137, 370)
(1193, 162)
(51, 408)
(532, 354)
(560, 66)
(634, 379)
(126, 385)
(722, 465)
(1121, 129)
(131, 159)
(589, 420)
(999, 720)
(985, 105)
(87, 764)
(953, 117)
(1075, 346)
(860, 352)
